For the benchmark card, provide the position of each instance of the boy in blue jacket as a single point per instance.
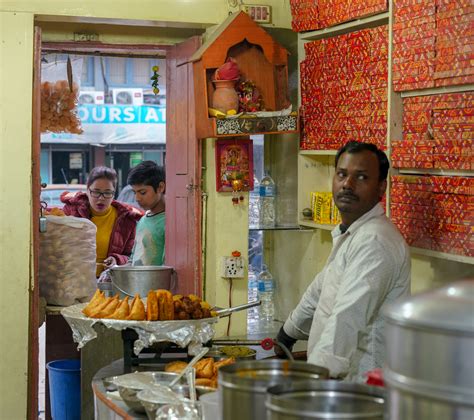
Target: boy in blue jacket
(147, 180)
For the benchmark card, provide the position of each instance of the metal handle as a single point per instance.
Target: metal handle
(227, 311)
(119, 288)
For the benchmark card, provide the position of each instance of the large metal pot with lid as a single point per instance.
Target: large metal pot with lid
(243, 385)
(430, 353)
(328, 400)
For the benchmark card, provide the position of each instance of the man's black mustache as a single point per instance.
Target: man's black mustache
(348, 195)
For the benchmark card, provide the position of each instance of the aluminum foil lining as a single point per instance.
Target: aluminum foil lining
(191, 333)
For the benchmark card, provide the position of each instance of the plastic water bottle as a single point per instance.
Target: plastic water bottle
(267, 202)
(252, 313)
(254, 198)
(266, 288)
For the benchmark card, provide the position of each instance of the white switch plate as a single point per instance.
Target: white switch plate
(258, 12)
(233, 267)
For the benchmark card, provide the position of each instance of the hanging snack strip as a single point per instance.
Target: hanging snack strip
(59, 98)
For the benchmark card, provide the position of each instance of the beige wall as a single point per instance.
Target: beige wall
(16, 54)
(16, 72)
(226, 231)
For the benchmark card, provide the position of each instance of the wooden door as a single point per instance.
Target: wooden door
(33, 361)
(183, 170)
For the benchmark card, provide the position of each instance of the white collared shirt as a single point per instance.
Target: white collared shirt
(340, 314)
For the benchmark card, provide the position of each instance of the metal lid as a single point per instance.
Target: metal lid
(257, 376)
(449, 309)
(326, 400)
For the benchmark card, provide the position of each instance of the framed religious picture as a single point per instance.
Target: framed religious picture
(234, 165)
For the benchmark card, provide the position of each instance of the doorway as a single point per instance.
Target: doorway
(113, 108)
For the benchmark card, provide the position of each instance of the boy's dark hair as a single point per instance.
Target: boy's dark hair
(100, 172)
(146, 173)
(356, 147)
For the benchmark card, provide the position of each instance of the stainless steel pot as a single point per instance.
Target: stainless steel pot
(334, 400)
(243, 385)
(430, 353)
(129, 280)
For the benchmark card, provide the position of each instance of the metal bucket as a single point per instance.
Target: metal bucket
(328, 400)
(129, 280)
(243, 385)
(429, 372)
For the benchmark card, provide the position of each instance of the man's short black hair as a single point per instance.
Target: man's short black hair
(356, 147)
(146, 173)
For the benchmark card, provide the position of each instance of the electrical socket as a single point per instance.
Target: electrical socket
(233, 267)
(258, 12)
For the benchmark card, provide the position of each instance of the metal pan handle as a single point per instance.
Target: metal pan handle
(227, 311)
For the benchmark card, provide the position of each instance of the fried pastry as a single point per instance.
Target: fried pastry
(165, 305)
(137, 309)
(175, 367)
(108, 309)
(205, 368)
(122, 310)
(211, 383)
(152, 311)
(97, 299)
(223, 362)
(95, 311)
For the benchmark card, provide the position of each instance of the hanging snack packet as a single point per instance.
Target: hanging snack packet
(59, 94)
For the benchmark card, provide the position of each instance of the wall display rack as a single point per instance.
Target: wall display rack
(316, 167)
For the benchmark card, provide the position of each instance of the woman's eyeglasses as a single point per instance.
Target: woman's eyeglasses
(106, 194)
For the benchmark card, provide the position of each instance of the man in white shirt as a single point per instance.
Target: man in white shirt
(340, 314)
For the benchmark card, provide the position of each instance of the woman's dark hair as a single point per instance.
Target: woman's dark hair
(356, 147)
(100, 172)
(146, 173)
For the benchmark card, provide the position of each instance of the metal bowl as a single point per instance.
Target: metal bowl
(131, 383)
(325, 400)
(238, 352)
(130, 280)
(151, 399)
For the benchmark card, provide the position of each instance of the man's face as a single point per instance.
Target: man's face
(356, 187)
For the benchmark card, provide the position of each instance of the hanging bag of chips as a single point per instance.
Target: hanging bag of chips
(60, 82)
(67, 263)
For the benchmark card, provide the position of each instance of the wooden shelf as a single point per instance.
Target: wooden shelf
(344, 28)
(442, 255)
(248, 125)
(318, 152)
(442, 172)
(314, 225)
(437, 90)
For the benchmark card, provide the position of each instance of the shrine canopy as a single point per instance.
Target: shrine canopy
(116, 124)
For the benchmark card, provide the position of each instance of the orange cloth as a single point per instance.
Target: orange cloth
(105, 224)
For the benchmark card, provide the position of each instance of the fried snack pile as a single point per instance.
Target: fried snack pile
(55, 211)
(58, 108)
(161, 306)
(206, 370)
(191, 307)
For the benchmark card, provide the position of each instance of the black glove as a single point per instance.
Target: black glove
(284, 339)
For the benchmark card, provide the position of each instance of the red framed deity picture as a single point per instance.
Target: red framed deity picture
(234, 165)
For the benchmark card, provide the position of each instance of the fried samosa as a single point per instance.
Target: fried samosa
(93, 313)
(137, 309)
(108, 309)
(205, 368)
(176, 367)
(122, 310)
(97, 299)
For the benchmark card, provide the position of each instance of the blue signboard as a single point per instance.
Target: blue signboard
(108, 124)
